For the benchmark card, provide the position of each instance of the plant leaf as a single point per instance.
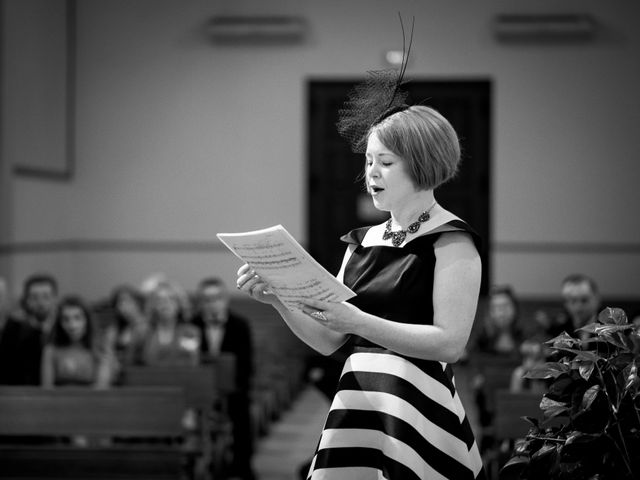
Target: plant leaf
(548, 370)
(514, 467)
(626, 340)
(621, 360)
(532, 420)
(581, 445)
(570, 350)
(631, 378)
(608, 329)
(585, 369)
(582, 354)
(552, 408)
(542, 460)
(563, 340)
(588, 356)
(579, 437)
(613, 316)
(564, 387)
(589, 396)
(589, 328)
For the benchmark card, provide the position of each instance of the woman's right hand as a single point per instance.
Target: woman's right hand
(250, 282)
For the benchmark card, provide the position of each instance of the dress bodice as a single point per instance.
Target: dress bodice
(396, 283)
(390, 282)
(74, 366)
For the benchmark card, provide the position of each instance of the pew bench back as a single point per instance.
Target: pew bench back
(152, 414)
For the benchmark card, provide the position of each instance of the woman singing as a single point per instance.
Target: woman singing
(396, 414)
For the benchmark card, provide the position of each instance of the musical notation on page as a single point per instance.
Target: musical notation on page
(291, 272)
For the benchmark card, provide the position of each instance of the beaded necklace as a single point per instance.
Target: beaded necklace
(398, 237)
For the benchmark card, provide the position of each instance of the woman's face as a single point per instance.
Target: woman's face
(214, 303)
(166, 305)
(126, 305)
(73, 322)
(387, 178)
(502, 310)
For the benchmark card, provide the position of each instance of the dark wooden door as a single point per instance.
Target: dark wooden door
(337, 199)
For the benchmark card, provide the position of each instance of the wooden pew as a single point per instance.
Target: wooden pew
(202, 384)
(153, 414)
(206, 388)
(496, 369)
(509, 426)
(511, 407)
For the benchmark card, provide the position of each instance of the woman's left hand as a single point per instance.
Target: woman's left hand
(340, 317)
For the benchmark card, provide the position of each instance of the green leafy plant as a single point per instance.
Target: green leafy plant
(595, 387)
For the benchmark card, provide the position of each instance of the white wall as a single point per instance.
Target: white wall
(178, 138)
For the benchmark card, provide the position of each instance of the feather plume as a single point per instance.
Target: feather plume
(377, 97)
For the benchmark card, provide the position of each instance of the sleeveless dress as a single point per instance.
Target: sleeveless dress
(395, 417)
(74, 366)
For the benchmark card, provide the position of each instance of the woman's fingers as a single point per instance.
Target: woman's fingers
(244, 273)
(246, 281)
(251, 283)
(244, 269)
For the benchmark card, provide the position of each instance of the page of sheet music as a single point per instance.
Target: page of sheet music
(292, 273)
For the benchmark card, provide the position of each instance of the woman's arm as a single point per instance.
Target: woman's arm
(317, 336)
(456, 287)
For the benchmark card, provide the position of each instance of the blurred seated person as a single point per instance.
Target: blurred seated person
(71, 356)
(581, 305)
(130, 323)
(26, 332)
(223, 331)
(171, 339)
(500, 333)
(151, 283)
(533, 355)
(494, 355)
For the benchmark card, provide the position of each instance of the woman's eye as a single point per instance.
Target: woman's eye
(386, 164)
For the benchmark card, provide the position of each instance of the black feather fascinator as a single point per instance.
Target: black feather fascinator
(373, 100)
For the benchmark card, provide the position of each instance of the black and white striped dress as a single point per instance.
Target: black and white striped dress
(395, 417)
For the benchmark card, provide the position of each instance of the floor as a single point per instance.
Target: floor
(292, 439)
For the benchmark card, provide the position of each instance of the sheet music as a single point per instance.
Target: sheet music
(292, 273)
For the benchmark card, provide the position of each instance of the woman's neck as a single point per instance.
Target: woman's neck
(410, 210)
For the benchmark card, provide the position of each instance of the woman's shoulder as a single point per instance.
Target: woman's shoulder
(452, 228)
(446, 221)
(366, 236)
(355, 236)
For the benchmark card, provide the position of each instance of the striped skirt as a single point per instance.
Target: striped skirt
(396, 419)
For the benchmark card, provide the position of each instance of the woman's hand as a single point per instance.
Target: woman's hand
(340, 317)
(250, 282)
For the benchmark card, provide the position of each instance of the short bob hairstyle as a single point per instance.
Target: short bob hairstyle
(425, 140)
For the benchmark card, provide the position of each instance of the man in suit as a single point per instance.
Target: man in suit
(581, 305)
(26, 332)
(225, 332)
